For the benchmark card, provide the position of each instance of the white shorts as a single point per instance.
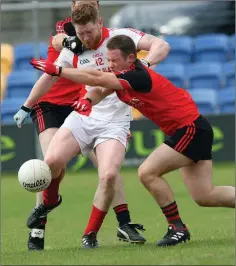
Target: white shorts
(90, 132)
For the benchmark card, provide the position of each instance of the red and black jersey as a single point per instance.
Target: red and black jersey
(64, 91)
(65, 26)
(157, 98)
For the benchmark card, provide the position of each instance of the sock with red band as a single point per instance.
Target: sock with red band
(122, 214)
(95, 221)
(172, 215)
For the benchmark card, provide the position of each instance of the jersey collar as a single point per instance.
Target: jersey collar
(105, 34)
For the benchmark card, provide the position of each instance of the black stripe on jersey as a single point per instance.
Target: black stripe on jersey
(139, 78)
(69, 29)
(65, 26)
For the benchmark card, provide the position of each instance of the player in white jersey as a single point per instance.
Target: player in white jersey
(105, 129)
(111, 108)
(53, 117)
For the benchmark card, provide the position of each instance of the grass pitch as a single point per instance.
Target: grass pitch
(212, 229)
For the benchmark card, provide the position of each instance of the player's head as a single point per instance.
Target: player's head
(87, 23)
(74, 4)
(121, 53)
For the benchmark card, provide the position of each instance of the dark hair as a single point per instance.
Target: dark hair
(124, 43)
(85, 12)
(77, 0)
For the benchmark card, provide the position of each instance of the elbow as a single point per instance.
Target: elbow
(57, 41)
(57, 46)
(166, 48)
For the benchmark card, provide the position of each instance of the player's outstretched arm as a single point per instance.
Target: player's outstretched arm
(41, 87)
(96, 94)
(158, 48)
(86, 76)
(92, 77)
(92, 97)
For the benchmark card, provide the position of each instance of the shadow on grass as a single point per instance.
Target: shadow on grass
(130, 247)
(151, 246)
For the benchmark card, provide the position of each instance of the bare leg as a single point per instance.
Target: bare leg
(45, 138)
(161, 161)
(119, 197)
(57, 157)
(110, 155)
(198, 179)
(127, 231)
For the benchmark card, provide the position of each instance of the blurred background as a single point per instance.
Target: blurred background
(202, 60)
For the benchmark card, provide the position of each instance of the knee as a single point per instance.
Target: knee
(55, 164)
(108, 179)
(202, 200)
(52, 161)
(145, 176)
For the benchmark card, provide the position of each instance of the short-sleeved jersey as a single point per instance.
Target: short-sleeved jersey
(64, 91)
(110, 108)
(157, 98)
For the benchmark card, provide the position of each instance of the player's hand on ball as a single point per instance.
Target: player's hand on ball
(22, 115)
(83, 106)
(46, 66)
(74, 44)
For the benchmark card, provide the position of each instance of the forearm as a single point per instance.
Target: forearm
(90, 77)
(95, 95)
(57, 41)
(158, 52)
(41, 87)
(94, 78)
(83, 76)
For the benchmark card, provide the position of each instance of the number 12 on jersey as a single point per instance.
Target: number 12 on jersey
(99, 62)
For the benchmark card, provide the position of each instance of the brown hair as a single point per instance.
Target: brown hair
(124, 43)
(85, 12)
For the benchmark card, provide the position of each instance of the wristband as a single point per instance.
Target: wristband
(145, 62)
(26, 109)
(59, 71)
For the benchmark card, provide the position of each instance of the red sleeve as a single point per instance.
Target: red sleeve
(52, 53)
(60, 26)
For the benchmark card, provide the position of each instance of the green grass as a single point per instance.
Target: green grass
(212, 229)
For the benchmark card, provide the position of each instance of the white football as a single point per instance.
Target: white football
(34, 175)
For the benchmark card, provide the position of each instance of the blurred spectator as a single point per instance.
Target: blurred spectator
(7, 58)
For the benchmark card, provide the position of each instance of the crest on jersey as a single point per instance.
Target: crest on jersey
(136, 103)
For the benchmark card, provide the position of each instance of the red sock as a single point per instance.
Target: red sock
(50, 194)
(95, 221)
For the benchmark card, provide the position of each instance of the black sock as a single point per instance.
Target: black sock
(42, 226)
(122, 214)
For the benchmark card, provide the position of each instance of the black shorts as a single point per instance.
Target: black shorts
(47, 115)
(194, 140)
